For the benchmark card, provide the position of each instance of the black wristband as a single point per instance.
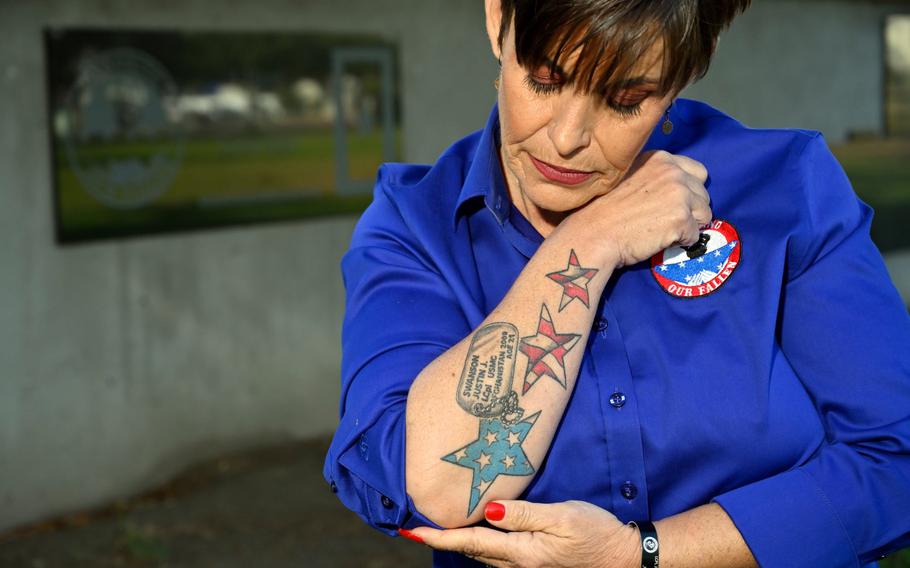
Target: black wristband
(650, 553)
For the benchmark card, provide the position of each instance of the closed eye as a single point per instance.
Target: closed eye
(626, 110)
(539, 87)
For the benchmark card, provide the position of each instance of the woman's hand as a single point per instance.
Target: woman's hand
(661, 201)
(571, 534)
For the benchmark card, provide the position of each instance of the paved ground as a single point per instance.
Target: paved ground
(267, 509)
(263, 509)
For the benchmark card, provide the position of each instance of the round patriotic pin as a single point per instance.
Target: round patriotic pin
(700, 269)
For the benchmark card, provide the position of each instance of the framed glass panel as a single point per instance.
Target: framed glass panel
(162, 131)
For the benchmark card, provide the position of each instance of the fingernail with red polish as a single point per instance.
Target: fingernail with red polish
(408, 534)
(494, 511)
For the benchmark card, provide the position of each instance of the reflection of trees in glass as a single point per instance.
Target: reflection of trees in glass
(230, 82)
(897, 42)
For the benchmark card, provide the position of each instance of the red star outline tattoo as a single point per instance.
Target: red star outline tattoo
(574, 281)
(546, 351)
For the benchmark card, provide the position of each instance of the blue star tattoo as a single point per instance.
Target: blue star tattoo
(496, 451)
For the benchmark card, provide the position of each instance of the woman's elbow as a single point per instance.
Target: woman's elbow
(440, 505)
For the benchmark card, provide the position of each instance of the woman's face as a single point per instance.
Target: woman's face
(561, 148)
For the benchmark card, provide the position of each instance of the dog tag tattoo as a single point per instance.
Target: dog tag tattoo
(486, 380)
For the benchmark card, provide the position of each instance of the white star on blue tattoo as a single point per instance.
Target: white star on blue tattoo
(504, 456)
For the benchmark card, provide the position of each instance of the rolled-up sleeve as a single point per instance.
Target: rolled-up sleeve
(846, 333)
(400, 315)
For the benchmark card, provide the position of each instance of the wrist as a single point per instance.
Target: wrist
(612, 258)
(591, 241)
(632, 555)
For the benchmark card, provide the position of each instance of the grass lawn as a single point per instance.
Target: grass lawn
(898, 560)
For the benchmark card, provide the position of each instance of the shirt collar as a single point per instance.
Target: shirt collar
(484, 177)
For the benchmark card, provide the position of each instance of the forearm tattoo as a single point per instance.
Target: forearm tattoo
(574, 281)
(496, 451)
(485, 387)
(546, 351)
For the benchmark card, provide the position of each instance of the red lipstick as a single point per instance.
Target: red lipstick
(564, 176)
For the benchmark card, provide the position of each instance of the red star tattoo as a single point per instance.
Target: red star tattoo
(546, 351)
(574, 281)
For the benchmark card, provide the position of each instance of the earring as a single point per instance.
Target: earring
(667, 127)
(496, 83)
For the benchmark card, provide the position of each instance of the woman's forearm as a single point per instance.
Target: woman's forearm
(481, 417)
(703, 537)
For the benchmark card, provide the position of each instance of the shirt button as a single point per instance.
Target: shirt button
(386, 502)
(333, 487)
(628, 490)
(601, 324)
(617, 399)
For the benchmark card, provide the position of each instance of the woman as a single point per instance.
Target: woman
(611, 306)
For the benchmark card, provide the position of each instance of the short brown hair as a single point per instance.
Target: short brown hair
(610, 36)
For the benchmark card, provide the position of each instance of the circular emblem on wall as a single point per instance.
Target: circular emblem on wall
(118, 137)
(699, 270)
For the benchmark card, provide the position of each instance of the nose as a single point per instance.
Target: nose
(570, 126)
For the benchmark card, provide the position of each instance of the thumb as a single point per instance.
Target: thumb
(521, 515)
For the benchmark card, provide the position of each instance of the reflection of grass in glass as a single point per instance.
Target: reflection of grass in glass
(229, 167)
(880, 173)
(365, 146)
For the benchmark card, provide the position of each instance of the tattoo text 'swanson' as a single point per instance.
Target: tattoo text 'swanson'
(487, 374)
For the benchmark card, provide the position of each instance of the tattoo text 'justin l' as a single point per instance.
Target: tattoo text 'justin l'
(486, 379)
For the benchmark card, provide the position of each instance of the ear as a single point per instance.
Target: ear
(493, 10)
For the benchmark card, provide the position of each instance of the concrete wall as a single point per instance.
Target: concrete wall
(123, 361)
(816, 65)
